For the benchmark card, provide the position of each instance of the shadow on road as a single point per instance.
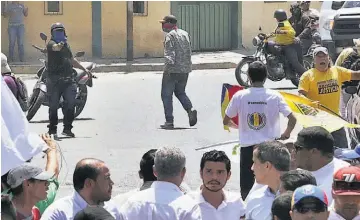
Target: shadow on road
(177, 128)
(284, 88)
(61, 120)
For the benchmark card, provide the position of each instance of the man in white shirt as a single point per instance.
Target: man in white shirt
(147, 175)
(163, 200)
(271, 159)
(315, 152)
(215, 203)
(93, 187)
(259, 111)
(346, 194)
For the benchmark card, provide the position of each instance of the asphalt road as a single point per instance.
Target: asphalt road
(121, 122)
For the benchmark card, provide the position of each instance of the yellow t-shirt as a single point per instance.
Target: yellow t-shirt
(285, 39)
(343, 55)
(325, 87)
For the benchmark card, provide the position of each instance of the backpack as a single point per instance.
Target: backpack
(22, 95)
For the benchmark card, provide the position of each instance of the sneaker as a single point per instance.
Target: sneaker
(68, 133)
(192, 117)
(167, 125)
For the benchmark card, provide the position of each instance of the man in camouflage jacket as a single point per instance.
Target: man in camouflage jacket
(177, 53)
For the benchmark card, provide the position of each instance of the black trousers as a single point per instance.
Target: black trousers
(247, 177)
(55, 89)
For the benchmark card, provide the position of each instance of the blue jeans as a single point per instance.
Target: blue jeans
(174, 83)
(16, 33)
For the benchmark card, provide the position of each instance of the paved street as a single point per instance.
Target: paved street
(121, 121)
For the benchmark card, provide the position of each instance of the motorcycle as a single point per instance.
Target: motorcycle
(277, 65)
(82, 79)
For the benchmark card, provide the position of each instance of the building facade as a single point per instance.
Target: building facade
(99, 27)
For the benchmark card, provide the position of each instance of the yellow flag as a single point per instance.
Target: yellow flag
(310, 113)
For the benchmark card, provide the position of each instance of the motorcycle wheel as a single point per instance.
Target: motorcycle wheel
(80, 100)
(35, 102)
(238, 72)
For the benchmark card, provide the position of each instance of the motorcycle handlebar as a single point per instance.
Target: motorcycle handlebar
(39, 48)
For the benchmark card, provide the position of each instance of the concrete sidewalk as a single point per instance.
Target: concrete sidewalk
(204, 60)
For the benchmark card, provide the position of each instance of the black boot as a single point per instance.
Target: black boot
(192, 117)
(167, 125)
(68, 133)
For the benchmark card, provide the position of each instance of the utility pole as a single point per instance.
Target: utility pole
(129, 31)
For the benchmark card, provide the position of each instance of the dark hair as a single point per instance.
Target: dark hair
(316, 137)
(281, 206)
(276, 153)
(146, 165)
(7, 208)
(85, 171)
(257, 71)
(215, 156)
(4, 181)
(296, 178)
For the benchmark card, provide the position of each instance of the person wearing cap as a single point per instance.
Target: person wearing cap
(351, 156)
(271, 160)
(52, 166)
(92, 186)
(315, 152)
(177, 54)
(28, 185)
(302, 26)
(309, 202)
(323, 84)
(346, 194)
(93, 213)
(345, 59)
(311, 12)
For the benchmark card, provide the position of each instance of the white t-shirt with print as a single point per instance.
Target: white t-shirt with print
(258, 110)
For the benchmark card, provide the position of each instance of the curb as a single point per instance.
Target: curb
(127, 68)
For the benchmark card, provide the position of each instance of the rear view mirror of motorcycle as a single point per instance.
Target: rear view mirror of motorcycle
(351, 90)
(80, 54)
(43, 36)
(260, 29)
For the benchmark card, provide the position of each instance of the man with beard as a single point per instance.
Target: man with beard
(323, 84)
(93, 186)
(346, 194)
(214, 202)
(271, 160)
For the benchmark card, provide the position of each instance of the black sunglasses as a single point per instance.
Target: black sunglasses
(346, 186)
(307, 207)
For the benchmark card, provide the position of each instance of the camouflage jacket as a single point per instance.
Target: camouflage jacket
(177, 52)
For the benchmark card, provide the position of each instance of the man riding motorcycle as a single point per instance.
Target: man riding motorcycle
(311, 12)
(285, 37)
(302, 26)
(60, 79)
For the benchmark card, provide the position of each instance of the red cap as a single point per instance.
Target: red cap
(347, 181)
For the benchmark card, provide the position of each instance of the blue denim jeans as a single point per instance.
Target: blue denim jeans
(174, 83)
(16, 33)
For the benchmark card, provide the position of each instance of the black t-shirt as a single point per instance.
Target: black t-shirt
(59, 62)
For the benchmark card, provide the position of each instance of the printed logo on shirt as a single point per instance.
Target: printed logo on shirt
(329, 86)
(256, 121)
